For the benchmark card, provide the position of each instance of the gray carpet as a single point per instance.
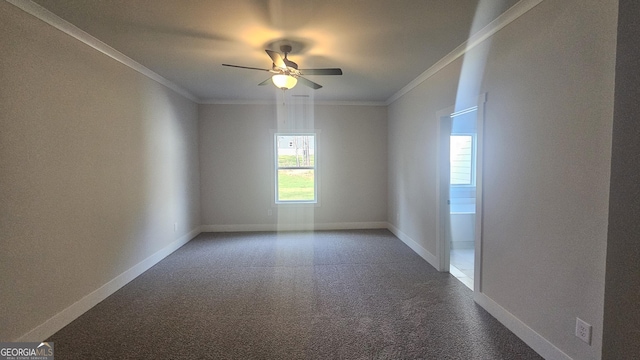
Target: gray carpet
(298, 295)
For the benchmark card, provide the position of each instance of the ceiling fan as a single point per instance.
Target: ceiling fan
(286, 73)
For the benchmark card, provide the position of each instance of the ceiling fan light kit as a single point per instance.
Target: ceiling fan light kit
(284, 82)
(286, 73)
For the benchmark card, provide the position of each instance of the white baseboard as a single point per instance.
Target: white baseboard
(538, 343)
(424, 253)
(534, 340)
(66, 316)
(295, 227)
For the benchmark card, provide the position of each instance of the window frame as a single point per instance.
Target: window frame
(315, 167)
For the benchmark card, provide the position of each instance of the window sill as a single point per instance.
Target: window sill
(296, 204)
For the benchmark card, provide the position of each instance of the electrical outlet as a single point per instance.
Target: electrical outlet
(269, 212)
(583, 331)
(175, 227)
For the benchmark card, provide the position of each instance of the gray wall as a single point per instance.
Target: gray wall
(549, 78)
(236, 161)
(622, 291)
(97, 163)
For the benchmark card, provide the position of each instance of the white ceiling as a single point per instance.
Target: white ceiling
(381, 45)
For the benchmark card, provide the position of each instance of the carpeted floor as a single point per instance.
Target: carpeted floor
(358, 294)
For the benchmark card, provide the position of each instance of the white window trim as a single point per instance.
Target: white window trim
(316, 161)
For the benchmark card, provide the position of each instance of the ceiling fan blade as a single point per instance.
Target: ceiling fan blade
(277, 59)
(309, 83)
(245, 67)
(266, 82)
(332, 71)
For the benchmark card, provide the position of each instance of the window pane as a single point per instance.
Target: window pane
(461, 159)
(296, 150)
(296, 168)
(296, 185)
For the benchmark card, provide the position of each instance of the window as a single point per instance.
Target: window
(296, 171)
(462, 161)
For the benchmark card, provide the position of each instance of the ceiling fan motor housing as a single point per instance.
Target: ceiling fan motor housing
(286, 49)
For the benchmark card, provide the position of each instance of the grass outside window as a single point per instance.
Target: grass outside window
(296, 185)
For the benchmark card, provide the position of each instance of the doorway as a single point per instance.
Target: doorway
(460, 193)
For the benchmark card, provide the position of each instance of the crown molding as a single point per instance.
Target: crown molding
(303, 101)
(496, 25)
(66, 27)
(351, 103)
(237, 102)
(506, 18)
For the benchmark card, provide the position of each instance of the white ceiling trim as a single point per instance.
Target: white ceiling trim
(305, 101)
(237, 102)
(57, 22)
(493, 27)
(52, 19)
(350, 103)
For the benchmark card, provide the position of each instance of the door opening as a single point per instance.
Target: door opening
(462, 194)
(460, 183)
